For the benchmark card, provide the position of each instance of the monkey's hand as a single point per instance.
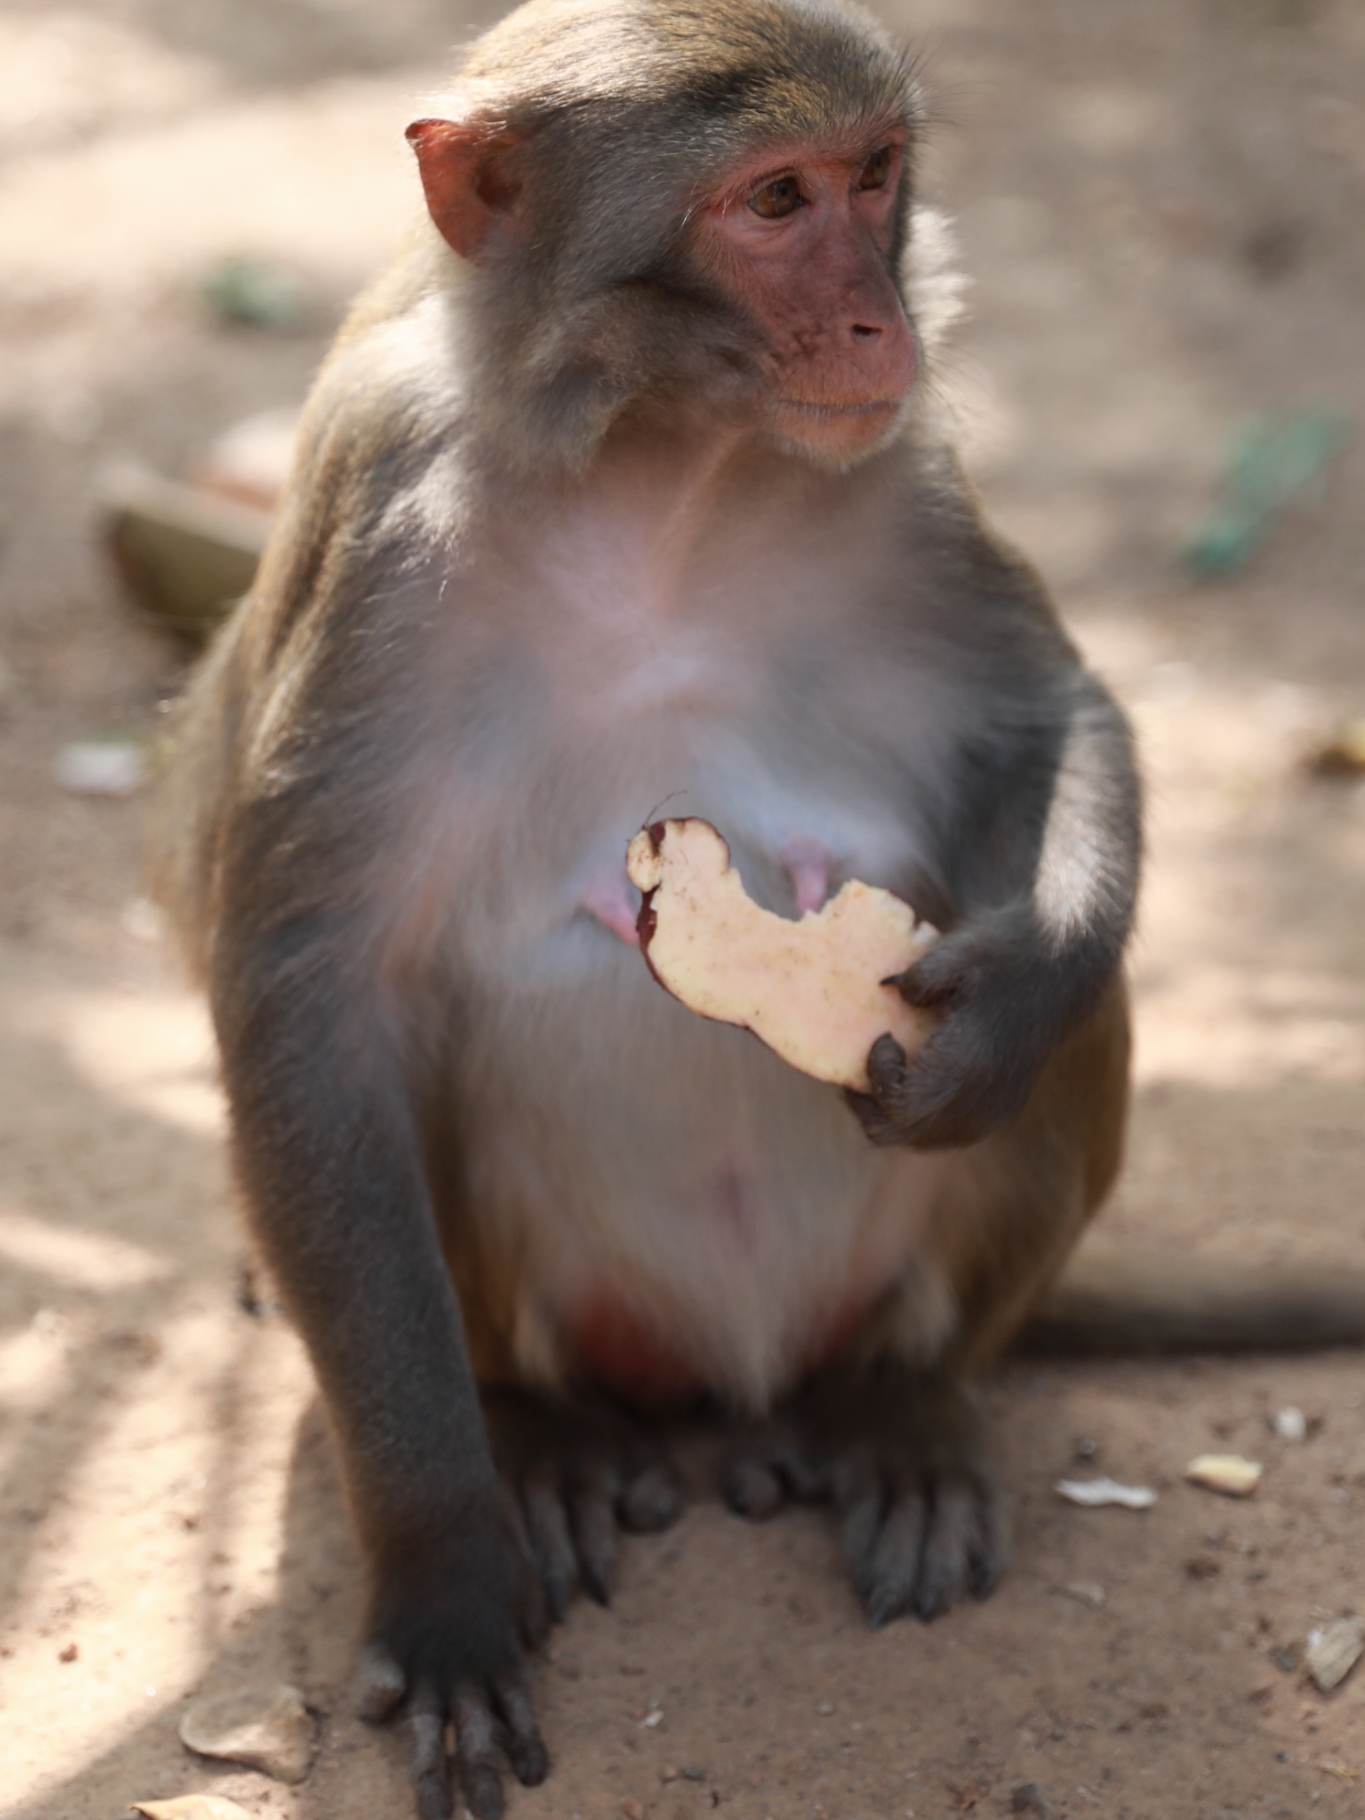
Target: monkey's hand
(1006, 1001)
(449, 1618)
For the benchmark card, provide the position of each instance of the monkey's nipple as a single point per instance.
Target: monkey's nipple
(610, 899)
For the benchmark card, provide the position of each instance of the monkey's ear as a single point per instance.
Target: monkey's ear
(468, 194)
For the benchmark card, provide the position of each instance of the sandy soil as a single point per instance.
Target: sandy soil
(1161, 205)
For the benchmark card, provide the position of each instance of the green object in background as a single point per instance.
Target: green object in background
(1273, 461)
(184, 555)
(255, 292)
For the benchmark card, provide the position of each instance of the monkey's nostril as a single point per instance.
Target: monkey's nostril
(867, 331)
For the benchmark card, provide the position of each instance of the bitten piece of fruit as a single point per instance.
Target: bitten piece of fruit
(811, 990)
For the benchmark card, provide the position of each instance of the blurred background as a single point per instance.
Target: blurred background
(1160, 389)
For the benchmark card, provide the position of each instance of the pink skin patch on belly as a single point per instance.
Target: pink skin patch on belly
(614, 1346)
(618, 1348)
(612, 899)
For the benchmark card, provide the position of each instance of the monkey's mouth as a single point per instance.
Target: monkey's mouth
(871, 409)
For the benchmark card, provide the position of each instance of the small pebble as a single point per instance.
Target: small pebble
(1095, 1492)
(1227, 1473)
(1203, 1567)
(632, 1809)
(1333, 1651)
(69, 1654)
(1289, 1423)
(1029, 1798)
(1088, 1592)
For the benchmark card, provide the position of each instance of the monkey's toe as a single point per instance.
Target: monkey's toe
(580, 1472)
(380, 1685)
(753, 1488)
(651, 1500)
(592, 1512)
(936, 1542)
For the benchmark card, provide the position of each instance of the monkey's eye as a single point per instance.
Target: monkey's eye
(777, 199)
(875, 172)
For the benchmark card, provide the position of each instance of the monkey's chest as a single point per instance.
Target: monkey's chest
(667, 1205)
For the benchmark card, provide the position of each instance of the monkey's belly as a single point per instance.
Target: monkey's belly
(676, 1210)
(617, 1341)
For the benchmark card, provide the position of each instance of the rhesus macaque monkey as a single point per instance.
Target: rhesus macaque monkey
(616, 491)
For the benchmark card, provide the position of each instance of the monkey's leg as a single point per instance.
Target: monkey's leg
(902, 1450)
(581, 1470)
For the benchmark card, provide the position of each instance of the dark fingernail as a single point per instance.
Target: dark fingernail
(881, 1609)
(595, 1583)
(432, 1789)
(928, 1606)
(529, 1759)
(482, 1788)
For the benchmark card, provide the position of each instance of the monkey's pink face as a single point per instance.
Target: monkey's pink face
(801, 238)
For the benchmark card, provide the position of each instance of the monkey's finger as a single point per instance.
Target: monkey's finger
(988, 1557)
(933, 983)
(651, 1501)
(476, 1754)
(593, 1516)
(950, 1546)
(878, 1128)
(860, 1498)
(889, 1574)
(380, 1684)
(807, 1478)
(429, 1768)
(886, 1069)
(551, 1544)
(522, 1741)
(753, 1488)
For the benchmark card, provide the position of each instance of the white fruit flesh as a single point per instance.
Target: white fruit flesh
(811, 990)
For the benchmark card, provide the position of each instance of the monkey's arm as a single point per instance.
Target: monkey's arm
(1046, 892)
(330, 1162)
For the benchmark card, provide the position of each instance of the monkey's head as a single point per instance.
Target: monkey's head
(699, 204)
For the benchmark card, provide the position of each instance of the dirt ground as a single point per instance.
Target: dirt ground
(1160, 203)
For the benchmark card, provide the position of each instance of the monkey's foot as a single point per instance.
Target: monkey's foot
(580, 1472)
(902, 1457)
(449, 1621)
